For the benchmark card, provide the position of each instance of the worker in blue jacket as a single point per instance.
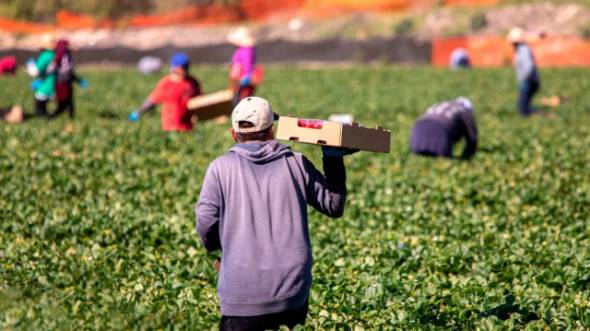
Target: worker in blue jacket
(442, 126)
(526, 71)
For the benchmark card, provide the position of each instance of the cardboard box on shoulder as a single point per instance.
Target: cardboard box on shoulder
(319, 132)
(210, 106)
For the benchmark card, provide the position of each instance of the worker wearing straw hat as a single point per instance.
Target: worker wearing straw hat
(526, 70)
(244, 75)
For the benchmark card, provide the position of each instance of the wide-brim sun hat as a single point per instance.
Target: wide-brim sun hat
(516, 35)
(241, 37)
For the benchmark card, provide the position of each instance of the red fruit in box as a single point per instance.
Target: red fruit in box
(310, 124)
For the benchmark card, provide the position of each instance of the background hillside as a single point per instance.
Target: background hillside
(396, 31)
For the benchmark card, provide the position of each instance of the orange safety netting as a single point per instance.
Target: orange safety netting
(352, 5)
(73, 21)
(188, 15)
(261, 9)
(470, 2)
(14, 26)
(492, 51)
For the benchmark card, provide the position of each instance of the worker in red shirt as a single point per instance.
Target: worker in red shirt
(173, 92)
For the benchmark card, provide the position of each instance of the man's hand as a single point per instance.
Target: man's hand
(337, 151)
(134, 116)
(217, 264)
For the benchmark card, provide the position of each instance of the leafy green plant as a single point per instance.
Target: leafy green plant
(97, 224)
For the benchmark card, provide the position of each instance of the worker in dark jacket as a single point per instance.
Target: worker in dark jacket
(443, 125)
(253, 207)
(526, 71)
(63, 64)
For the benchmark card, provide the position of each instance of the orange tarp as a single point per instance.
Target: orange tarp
(442, 49)
(491, 51)
(562, 51)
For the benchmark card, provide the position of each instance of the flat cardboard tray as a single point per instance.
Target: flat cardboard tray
(210, 106)
(335, 134)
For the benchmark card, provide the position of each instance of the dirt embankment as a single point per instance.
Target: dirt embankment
(565, 19)
(362, 37)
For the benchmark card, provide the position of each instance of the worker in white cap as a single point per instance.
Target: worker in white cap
(253, 208)
(526, 70)
(244, 74)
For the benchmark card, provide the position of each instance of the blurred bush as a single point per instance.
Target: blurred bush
(585, 31)
(479, 21)
(44, 11)
(404, 27)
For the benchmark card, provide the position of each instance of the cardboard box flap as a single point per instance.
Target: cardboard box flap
(211, 99)
(212, 105)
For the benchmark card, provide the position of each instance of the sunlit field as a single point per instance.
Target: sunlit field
(97, 222)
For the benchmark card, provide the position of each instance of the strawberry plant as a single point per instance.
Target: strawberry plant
(97, 223)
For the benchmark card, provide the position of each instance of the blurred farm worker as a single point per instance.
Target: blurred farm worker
(42, 68)
(244, 74)
(459, 59)
(253, 208)
(63, 65)
(149, 65)
(173, 92)
(8, 65)
(442, 126)
(526, 71)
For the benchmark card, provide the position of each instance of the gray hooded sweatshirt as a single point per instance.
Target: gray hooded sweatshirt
(253, 207)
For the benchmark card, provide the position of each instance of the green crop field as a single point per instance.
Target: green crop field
(97, 224)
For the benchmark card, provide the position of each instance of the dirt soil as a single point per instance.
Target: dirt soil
(565, 19)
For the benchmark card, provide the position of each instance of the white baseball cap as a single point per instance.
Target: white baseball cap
(241, 37)
(516, 35)
(254, 110)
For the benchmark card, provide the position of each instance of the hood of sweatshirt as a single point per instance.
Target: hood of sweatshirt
(261, 152)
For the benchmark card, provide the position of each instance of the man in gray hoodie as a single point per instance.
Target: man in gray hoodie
(253, 207)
